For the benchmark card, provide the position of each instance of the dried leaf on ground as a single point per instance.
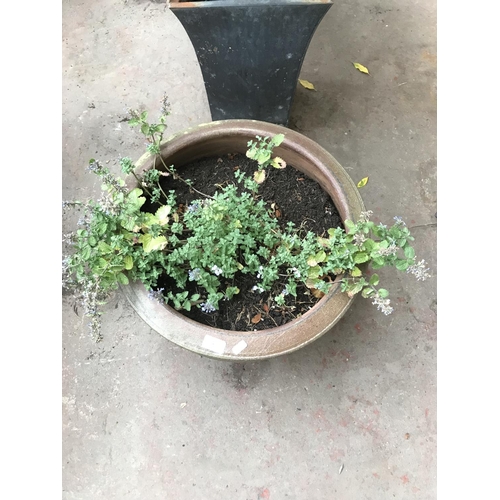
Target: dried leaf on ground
(256, 318)
(361, 68)
(363, 182)
(306, 84)
(317, 293)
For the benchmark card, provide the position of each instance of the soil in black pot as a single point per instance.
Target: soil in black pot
(295, 198)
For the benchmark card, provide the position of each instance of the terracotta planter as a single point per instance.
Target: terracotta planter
(231, 136)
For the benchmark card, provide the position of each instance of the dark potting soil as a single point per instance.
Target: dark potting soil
(296, 198)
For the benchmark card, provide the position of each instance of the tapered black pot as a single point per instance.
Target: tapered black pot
(251, 52)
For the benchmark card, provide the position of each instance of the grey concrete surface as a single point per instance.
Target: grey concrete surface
(351, 416)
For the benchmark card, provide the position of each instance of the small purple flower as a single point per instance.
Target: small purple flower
(194, 207)
(399, 220)
(194, 275)
(157, 295)
(261, 270)
(216, 270)
(419, 271)
(382, 304)
(207, 307)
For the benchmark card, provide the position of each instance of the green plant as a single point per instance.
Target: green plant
(118, 240)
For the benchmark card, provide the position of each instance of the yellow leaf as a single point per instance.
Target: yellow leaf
(363, 182)
(259, 176)
(361, 68)
(311, 261)
(278, 162)
(306, 84)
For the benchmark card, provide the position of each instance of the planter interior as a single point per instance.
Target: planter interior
(232, 136)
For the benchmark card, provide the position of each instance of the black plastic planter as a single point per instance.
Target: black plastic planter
(250, 52)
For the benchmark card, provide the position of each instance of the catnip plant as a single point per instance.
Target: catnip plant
(118, 241)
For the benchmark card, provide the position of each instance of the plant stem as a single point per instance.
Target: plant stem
(181, 179)
(159, 185)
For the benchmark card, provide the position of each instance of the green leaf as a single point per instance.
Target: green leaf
(367, 292)
(251, 153)
(101, 228)
(263, 156)
(144, 115)
(277, 139)
(128, 262)
(104, 247)
(374, 280)
(187, 305)
(86, 252)
(356, 272)
(361, 257)
(314, 272)
(351, 227)
(363, 182)
(369, 245)
(195, 297)
(128, 223)
(149, 243)
(355, 289)
(383, 293)
(145, 129)
(320, 256)
(402, 265)
(231, 291)
(135, 198)
(133, 122)
(122, 279)
(101, 264)
(410, 252)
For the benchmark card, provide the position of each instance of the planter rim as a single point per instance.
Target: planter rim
(241, 3)
(242, 346)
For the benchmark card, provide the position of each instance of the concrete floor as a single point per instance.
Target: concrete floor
(145, 419)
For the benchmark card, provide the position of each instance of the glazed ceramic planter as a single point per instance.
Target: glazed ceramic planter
(232, 136)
